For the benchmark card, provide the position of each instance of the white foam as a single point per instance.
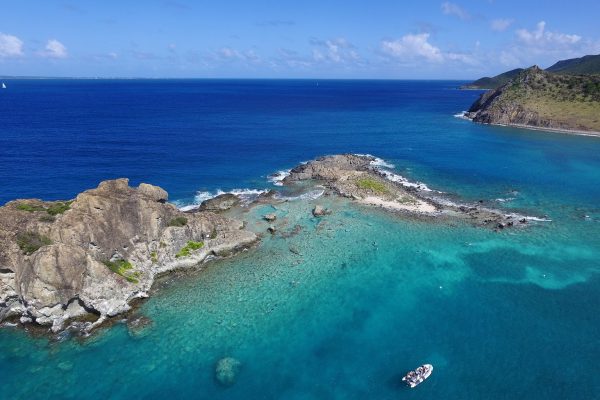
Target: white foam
(403, 181)
(377, 162)
(246, 195)
(278, 177)
(312, 195)
(500, 200)
(462, 115)
(537, 219)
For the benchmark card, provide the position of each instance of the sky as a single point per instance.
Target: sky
(381, 39)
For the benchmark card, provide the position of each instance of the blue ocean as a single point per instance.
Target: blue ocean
(366, 295)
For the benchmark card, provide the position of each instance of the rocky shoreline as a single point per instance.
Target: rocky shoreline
(83, 261)
(74, 265)
(360, 178)
(539, 100)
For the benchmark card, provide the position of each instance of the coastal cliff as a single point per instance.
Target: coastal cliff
(87, 259)
(540, 99)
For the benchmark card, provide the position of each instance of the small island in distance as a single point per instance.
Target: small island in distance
(564, 97)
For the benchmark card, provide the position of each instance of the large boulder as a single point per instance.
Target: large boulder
(154, 192)
(222, 202)
(319, 211)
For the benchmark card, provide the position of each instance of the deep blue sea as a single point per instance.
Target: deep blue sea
(367, 296)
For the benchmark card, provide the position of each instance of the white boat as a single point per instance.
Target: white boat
(416, 377)
(3, 85)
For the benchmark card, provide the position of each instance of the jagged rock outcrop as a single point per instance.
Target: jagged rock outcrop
(222, 202)
(97, 253)
(539, 99)
(360, 178)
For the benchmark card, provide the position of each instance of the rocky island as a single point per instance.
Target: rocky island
(544, 100)
(362, 179)
(87, 259)
(75, 264)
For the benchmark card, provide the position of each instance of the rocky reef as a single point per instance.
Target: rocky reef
(74, 264)
(85, 260)
(361, 178)
(539, 99)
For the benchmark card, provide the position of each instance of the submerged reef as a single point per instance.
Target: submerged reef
(75, 264)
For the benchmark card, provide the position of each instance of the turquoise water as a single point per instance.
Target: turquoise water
(499, 315)
(344, 307)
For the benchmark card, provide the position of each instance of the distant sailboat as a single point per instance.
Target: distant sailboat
(3, 85)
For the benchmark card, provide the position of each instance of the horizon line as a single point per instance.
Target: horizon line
(39, 77)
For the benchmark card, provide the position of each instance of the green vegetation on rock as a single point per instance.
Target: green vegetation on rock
(47, 218)
(178, 222)
(30, 242)
(372, 184)
(53, 209)
(494, 82)
(59, 208)
(585, 65)
(123, 268)
(188, 248)
(29, 207)
(542, 99)
(154, 257)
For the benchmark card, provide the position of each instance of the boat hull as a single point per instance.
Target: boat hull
(416, 377)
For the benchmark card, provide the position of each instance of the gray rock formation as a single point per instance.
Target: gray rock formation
(358, 177)
(270, 217)
(94, 255)
(319, 211)
(222, 202)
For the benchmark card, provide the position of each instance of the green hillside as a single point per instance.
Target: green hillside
(493, 83)
(577, 66)
(587, 65)
(538, 98)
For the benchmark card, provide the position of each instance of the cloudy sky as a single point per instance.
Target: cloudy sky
(459, 39)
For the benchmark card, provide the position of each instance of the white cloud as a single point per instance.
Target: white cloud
(541, 37)
(54, 49)
(463, 58)
(501, 24)
(544, 47)
(509, 59)
(337, 51)
(230, 54)
(10, 46)
(410, 47)
(456, 10)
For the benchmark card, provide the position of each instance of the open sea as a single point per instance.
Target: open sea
(365, 296)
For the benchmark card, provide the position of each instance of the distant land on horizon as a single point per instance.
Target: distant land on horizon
(537, 98)
(585, 65)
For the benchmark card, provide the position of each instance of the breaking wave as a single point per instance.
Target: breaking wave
(278, 177)
(377, 162)
(311, 195)
(246, 195)
(462, 115)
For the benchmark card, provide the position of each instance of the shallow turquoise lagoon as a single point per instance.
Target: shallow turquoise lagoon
(352, 301)
(341, 309)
